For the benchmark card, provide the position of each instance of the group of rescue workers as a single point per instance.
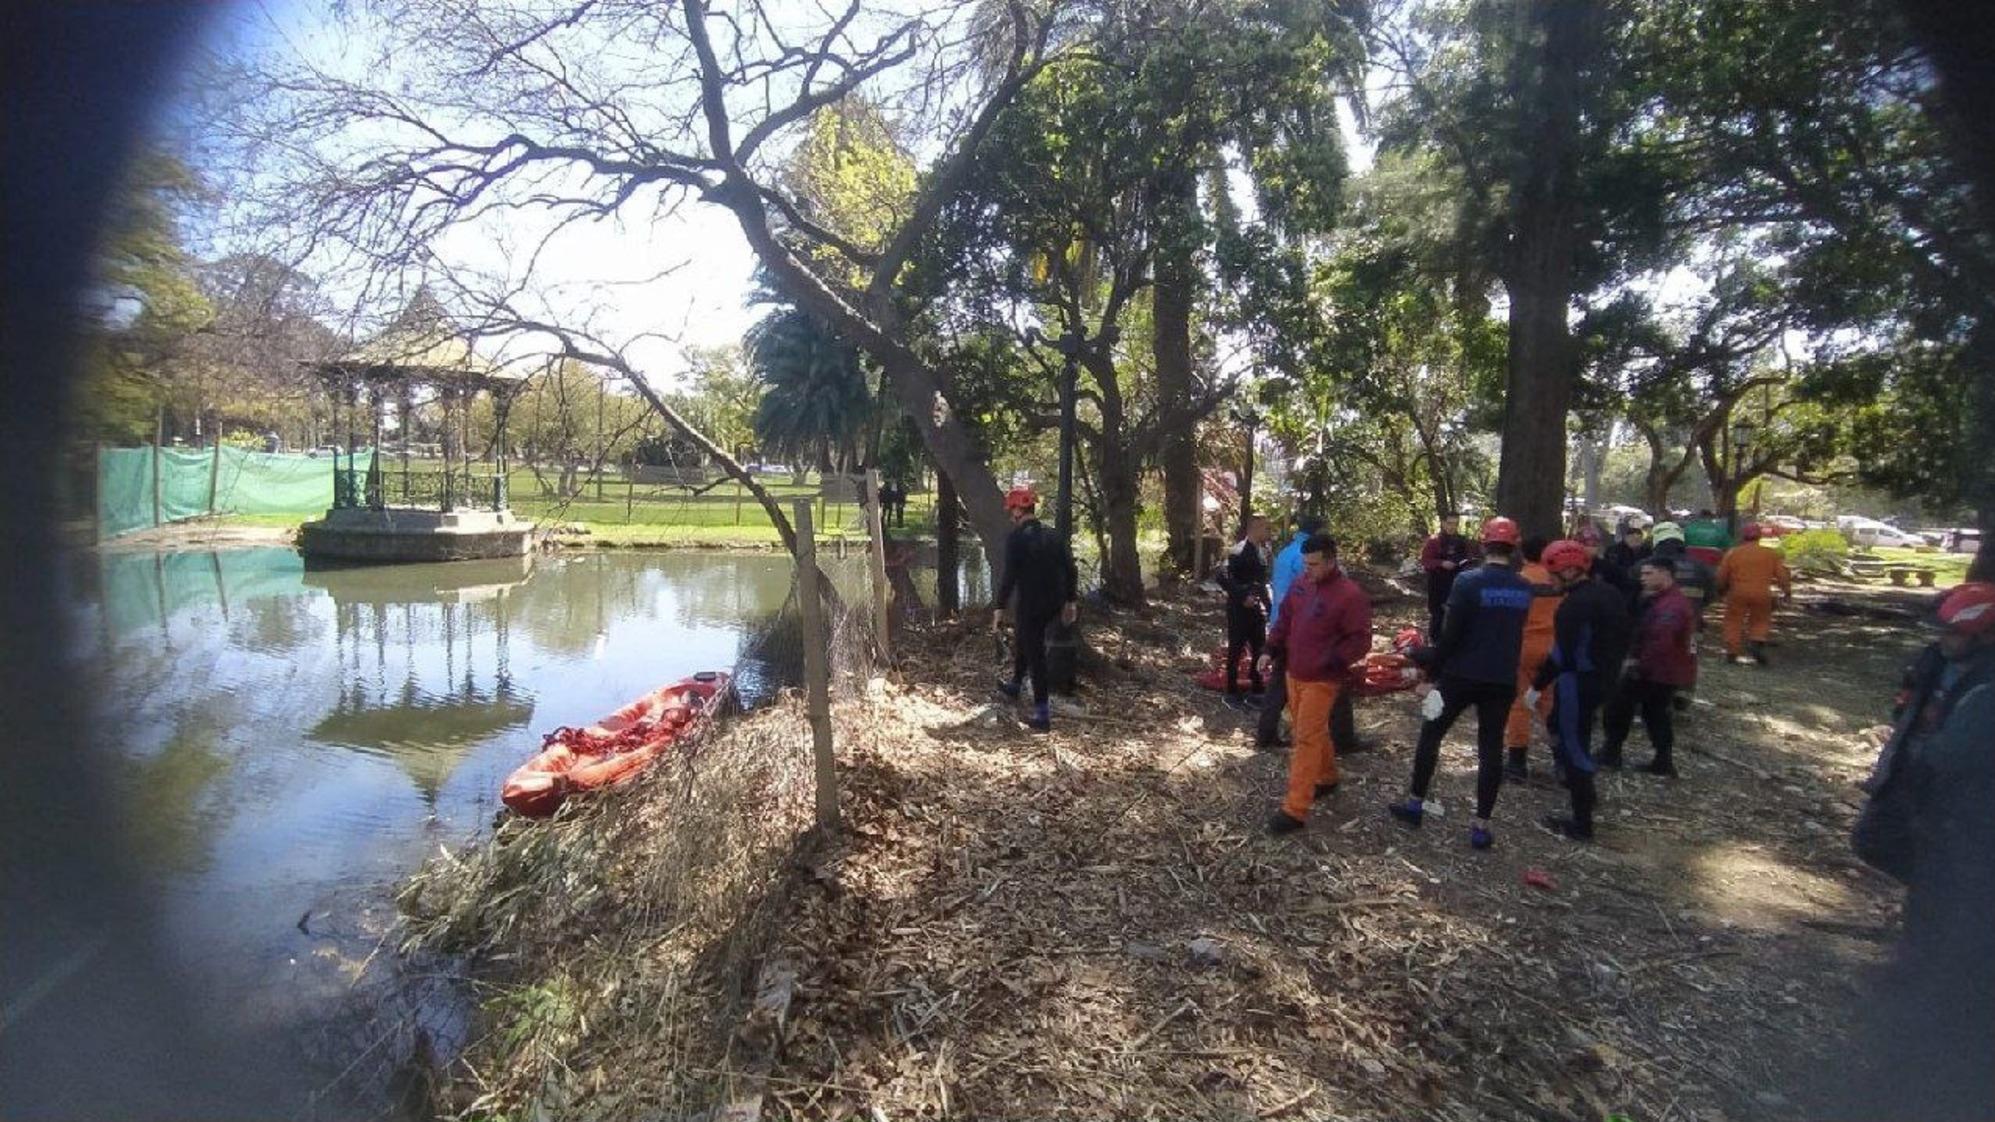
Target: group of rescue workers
(1527, 633)
(1535, 634)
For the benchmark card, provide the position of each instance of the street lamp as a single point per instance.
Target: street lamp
(1742, 435)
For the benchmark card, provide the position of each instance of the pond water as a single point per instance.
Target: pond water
(293, 742)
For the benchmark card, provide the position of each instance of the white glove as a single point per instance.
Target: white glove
(1531, 697)
(1430, 709)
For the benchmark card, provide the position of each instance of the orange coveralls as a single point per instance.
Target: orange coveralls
(1545, 598)
(1746, 578)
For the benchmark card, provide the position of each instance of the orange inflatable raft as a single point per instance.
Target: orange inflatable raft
(614, 750)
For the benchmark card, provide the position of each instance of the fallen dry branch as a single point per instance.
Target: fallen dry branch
(1093, 924)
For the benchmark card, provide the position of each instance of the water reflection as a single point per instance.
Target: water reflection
(293, 741)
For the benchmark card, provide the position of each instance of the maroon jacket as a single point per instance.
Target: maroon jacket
(1324, 626)
(1663, 635)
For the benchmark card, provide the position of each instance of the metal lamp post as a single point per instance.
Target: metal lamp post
(1742, 435)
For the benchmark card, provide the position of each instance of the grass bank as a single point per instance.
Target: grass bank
(1092, 924)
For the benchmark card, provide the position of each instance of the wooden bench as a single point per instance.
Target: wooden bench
(1866, 568)
(1900, 573)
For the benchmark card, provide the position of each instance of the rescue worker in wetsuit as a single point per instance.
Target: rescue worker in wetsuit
(1746, 578)
(1039, 569)
(1664, 662)
(1632, 547)
(1324, 626)
(1605, 570)
(1589, 641)
(1443, 557)
(1537, 644)
(1245, 579)
(1474, 664)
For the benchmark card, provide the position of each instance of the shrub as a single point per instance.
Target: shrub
(1816, 550)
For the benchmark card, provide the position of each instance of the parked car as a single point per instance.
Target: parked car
(1872, 533)
(1964, 539)
(1784, 523)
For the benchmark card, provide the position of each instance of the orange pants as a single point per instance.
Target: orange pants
(1517, 730)
(1747, 616)
(1314, 759)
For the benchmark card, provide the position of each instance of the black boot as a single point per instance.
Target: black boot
(1759, 651)
(1516, 766)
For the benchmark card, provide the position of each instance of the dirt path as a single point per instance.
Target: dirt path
(1092, 923)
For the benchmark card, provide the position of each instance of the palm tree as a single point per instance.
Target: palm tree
(816, 404)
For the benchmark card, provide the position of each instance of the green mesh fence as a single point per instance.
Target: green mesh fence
(204, 481)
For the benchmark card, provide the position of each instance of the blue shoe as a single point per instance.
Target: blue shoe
(1009, 689)
(1480, 838)
(1407, 813)
(1041, 719)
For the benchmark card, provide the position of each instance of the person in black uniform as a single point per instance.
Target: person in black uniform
(1590, 637)
(1245, 578)
(1039, 569)
(1443, 557)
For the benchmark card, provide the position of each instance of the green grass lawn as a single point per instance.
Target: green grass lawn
(1948, 568)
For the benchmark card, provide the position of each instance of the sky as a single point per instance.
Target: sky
(663, 284)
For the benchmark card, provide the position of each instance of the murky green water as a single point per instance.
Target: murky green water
(294, 742)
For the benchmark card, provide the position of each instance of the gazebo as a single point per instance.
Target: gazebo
(410, 510)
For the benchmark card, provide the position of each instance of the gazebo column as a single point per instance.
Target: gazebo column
(408, 419)
(375, 499)
(502, 408)
(448, 394)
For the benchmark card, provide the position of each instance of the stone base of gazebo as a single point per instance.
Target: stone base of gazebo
(397, 535)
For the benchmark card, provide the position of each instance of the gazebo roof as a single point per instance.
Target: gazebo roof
(421, 345)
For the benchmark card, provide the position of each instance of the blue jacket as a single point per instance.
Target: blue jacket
(1288, 566)
(1483, 631)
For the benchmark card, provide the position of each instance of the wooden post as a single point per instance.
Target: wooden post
(158, 437)
(629, 489)
(817, 672)
(215, 481)
(739, 490)
(882, 632)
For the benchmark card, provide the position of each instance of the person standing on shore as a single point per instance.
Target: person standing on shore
(1287, 567)
(1745, 579)
(1442, 557)
(1545, 593)
(1245, 578)
(1665, 661)
(1474, 664)
(1039, 570)
(1589, 640)
(1325, 625)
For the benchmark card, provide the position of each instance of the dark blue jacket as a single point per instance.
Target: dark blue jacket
(1483, 631)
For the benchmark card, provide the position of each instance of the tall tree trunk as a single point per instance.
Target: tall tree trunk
(1544, 225)
(1171, 303)
(948, 546)
(1122, 569)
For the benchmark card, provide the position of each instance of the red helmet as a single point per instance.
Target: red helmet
(1751, 532)
(1969, 608)
(1021, 498)
(1567, 557)
(1500, 531)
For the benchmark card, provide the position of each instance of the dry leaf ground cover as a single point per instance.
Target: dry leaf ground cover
(1092, 924)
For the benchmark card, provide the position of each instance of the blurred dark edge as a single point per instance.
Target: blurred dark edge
(91, 1024)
